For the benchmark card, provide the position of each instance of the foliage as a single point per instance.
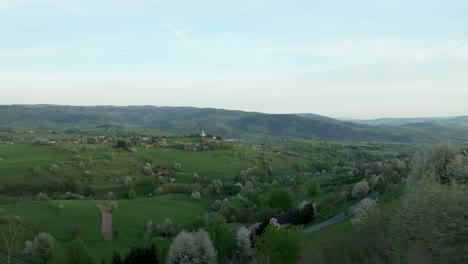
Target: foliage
(137, 255)
(44, 246)
(166, 229)
(303, 215)
(360, 190)
(128, 181)
(54, 168)
(279, 246)
(131, 194)
(431, 224)
(11, 230)
(43, 197)
(282, 199)
(313, 188)
(442, 162)
(191, 248)
(244, 252)
(76, 252)
(195, 196)
(221, 235)
(364, 212)
(113, 207)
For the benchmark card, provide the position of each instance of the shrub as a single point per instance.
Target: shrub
(178, 167)
(110, 196)
(196, 196)
(128, 181)
(43, 197)
(113, 207)
(360, 190)
(131, 194)
(54, 168)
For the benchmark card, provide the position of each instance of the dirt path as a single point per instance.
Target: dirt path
(106, 222)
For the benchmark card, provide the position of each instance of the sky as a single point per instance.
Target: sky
(338, 58)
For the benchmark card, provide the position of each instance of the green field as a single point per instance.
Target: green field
(130, 220)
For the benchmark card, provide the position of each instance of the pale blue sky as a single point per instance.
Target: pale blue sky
(338, 58)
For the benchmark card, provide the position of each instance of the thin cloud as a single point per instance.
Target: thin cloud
(181, 35)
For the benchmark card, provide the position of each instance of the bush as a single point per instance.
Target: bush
(43, 197)
(113, 207)
(131, 194)
(128, 181)
(54, 168)
(360, 190)
(196, 196)
(110, 196)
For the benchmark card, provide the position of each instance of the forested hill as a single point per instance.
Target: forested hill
(190, 120)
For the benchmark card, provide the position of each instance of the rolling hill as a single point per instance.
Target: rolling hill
(225, 123)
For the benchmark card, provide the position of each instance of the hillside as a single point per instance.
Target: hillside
(452, 128)
(189, 120)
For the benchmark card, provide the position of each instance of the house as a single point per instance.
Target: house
(148, 146)
(281, 221)
(72, 141)
(162, 171)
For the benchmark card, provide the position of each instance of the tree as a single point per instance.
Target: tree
(431, 223)
(188, 248)
(221, 235)
(44, 247)
(360, 190)
(244, 252)
(113, 206)
(178, 167)
(131, 194)
(434, 163)
(42, 197)
(280, 199)
(279, 246)
(128, 181)
(54, 168)
(303, 215)
(141, 254)
(363, 214)
(76, 252)
(196, 195)
(11, 229)
(313, 188)
(217, 186)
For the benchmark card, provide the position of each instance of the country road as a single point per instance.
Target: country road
(106, 222)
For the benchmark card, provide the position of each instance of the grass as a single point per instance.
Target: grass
(130, 220)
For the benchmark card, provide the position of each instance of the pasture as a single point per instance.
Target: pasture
(129, 222)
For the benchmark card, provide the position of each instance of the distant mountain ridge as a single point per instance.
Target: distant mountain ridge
(191, 120)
